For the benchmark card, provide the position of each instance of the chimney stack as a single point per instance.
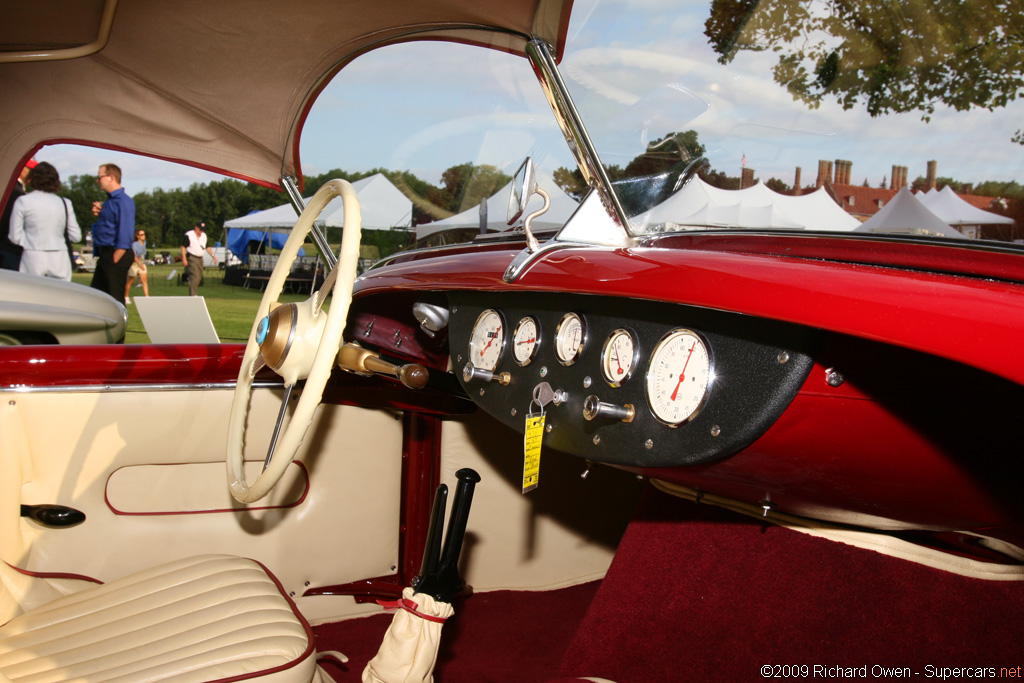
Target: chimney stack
(797, 191)
(930, 180)
(824, 173)
(899, 178)
(844, 169)
(747, 178)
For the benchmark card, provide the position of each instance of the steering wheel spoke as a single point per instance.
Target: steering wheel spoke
(297, 341)
(277, 425)
(325, 289)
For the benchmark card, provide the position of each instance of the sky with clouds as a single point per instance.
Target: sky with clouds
(646, 67)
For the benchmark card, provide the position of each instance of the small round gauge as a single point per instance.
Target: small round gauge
(618, 358)
(678, 377)
(525, 341)
(487, 341)
(570, 337)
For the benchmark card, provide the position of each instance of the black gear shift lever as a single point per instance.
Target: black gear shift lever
(439, 572)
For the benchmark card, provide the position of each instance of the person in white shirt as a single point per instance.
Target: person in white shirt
(42, 224)
(192, 248)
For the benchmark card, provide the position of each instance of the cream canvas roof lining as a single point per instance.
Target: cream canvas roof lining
(225, 86)
(59, 29)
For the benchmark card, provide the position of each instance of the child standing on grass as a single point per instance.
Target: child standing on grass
(138, 267)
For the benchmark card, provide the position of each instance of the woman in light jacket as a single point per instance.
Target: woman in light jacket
(42, 222)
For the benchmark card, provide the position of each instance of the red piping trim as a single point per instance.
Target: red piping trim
(310, 648)
(128, 150)
(53, 575)
(110, 506)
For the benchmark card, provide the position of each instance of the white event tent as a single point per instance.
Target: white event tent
(382, 205)
(562, 207)
(953, 210)
(699, 204)
(906, 214)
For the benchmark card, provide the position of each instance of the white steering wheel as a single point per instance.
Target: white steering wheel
(298, 341)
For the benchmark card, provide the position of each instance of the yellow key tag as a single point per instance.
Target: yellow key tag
(531, 451)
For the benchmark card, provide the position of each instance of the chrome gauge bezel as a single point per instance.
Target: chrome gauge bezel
(565, 352)
(476, 354)
(651, 379)
(533, 346)
(607, 350)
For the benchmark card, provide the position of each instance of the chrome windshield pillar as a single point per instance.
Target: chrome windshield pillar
(317, 231)
(575, 133)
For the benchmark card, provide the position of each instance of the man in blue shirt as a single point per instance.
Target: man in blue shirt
(112, 234)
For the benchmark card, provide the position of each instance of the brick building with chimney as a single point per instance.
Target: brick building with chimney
(864, 202)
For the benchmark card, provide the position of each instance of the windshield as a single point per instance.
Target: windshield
(846, 117)
(447, 124)
(868, 116)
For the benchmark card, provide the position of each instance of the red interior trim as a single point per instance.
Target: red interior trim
(310, 647)
(301, 499)
(53, 575)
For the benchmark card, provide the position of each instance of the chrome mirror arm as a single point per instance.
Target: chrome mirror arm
(531, 241)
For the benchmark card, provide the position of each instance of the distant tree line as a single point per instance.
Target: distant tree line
(167, 215)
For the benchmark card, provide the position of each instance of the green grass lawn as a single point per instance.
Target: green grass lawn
(232, 309)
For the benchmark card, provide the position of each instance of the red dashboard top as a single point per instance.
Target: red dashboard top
(933, 307)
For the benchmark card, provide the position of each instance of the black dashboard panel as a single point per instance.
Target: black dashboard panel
(756, 368)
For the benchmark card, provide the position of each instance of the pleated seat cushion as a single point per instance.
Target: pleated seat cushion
(207, 618)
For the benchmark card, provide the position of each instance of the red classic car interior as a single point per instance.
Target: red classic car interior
(678, 449)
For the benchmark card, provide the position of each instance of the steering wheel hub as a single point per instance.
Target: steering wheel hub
(278, 334)
(262, 328)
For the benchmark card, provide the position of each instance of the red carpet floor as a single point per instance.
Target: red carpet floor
(701, 594)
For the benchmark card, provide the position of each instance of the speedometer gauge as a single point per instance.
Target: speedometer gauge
(570, 337)
(678, 377)
(487, 341)
(618, 358)
(525, 341)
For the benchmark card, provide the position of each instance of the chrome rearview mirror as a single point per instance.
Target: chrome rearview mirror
(524, 185)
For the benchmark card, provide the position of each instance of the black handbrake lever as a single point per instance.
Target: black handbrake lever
(432, 549)
(439, 573)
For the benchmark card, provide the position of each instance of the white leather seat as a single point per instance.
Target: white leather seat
(206, 618)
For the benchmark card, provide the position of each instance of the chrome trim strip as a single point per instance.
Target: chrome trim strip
(571, 123)
(99, 388)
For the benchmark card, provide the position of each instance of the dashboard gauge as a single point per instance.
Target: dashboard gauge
(570, 338)
(678, 377)
(618, 358)
(487, 341)
(525, 341)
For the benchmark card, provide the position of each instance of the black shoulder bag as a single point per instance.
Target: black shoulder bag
(67, 235)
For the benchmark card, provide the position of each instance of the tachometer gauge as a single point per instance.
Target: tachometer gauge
(678, 377)
(525, 341)
(618, 358)
(487, 341)
(570, 337)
